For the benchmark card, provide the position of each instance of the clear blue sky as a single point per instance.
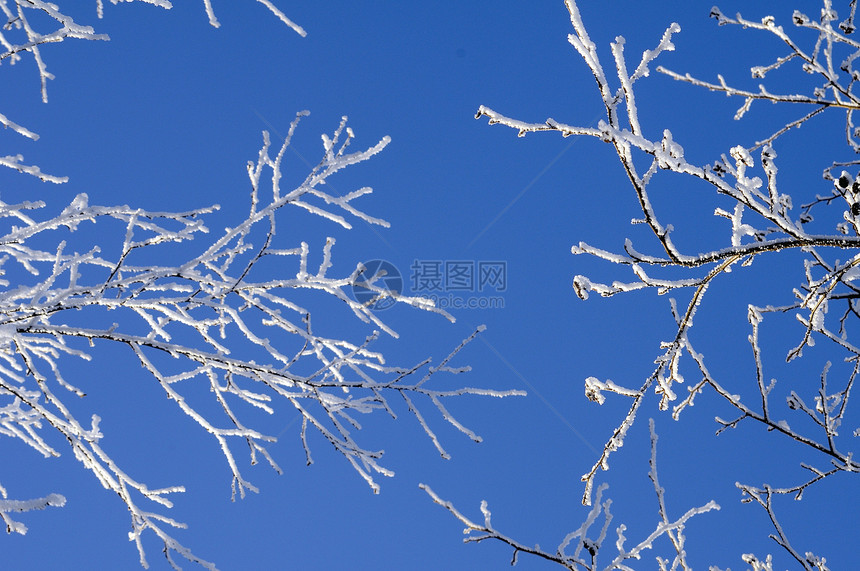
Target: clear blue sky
(165, 116)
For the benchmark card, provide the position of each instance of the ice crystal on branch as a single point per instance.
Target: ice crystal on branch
(591, 551)
(25, 31)
(762, 221)
(195, 309)
(215, 314)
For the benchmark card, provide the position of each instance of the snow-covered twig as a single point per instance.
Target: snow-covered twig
(19, 36)
(229, 323)
(589, 550)
(761, 222)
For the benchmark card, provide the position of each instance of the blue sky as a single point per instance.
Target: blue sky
(165, 116)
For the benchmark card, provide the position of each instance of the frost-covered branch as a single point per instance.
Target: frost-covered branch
(19, 506)
(837, 81)
(809, 561)
(757, 205)
(228, 321)
(24, 32)
(589, 551)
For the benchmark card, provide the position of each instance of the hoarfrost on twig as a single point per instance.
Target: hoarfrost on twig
(762, 221)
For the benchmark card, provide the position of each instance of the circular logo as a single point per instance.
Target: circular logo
(373, 284)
